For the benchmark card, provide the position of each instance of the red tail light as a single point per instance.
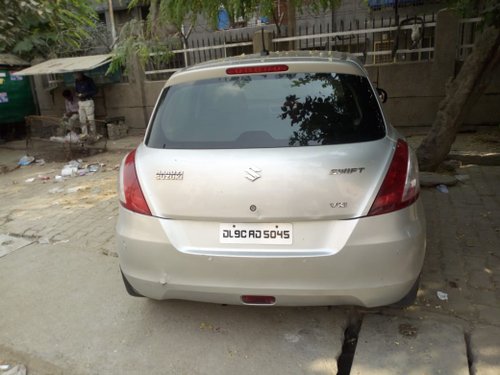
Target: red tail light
(400, 187)
(132, 198)
(258, 69)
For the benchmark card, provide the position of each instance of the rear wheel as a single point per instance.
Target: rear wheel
(410, 297)
(130, 288)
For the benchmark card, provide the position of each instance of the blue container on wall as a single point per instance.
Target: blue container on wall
(223, 20)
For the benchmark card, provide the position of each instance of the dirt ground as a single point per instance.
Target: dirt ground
(482, 140)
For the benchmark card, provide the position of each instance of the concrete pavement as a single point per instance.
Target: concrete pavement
(397, 345)
(68, 306)
(64, 309)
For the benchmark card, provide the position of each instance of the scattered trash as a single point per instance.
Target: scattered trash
(442, 188)
(4, 367)
(69, 171)
(71, 137)
(442, 295)
(26, 160)
(29, 180)
(58, 178)
(82, 172)
(40, 162)
(75, 168)
(462, 177)
(74, 163)
(43, 178)
(94, 167)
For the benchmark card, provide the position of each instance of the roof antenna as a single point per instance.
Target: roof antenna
(264, 51)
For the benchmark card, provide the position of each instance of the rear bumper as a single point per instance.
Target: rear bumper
(377, 264)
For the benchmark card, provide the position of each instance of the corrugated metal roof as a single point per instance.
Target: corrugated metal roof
(12, 60)
(66, 65)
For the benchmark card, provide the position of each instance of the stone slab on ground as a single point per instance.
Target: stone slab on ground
(429, 179)
(8, 244)
(485, 350)
(397, 346)
(476, 157)
(69, 308)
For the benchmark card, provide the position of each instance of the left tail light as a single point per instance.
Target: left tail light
(131, 196)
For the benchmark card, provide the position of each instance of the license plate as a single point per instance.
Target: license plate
(256, 233)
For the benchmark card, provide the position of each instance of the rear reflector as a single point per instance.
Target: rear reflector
(258, 300)
(257, 69)
(400, 187)
(134, 198)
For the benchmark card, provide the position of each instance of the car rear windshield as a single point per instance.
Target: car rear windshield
(270, 110)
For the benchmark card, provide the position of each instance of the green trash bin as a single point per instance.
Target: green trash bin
(16, 99)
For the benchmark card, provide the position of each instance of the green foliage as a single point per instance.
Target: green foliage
(167, 19)
(489, 10)
(39, 27)
(491, 13)
(177, 12)
(137, 42)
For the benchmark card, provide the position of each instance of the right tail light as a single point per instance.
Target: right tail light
(400, 187)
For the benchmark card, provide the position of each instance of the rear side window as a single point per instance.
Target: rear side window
(271, 110)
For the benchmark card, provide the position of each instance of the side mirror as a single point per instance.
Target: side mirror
(382, 94)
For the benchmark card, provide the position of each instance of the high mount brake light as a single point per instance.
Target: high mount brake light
(257, 69)
(400, 187)
(134, 198)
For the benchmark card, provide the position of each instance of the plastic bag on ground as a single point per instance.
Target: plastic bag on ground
(26, 160)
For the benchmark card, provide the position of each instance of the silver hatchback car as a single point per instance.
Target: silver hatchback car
(271, 180)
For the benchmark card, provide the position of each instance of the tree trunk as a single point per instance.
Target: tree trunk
(462, 92)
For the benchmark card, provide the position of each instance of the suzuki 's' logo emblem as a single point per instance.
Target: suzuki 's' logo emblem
(252, 174)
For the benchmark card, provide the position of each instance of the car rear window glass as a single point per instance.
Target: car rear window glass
(270, 110)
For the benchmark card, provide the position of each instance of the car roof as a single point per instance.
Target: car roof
(278, 57)
(298, 61)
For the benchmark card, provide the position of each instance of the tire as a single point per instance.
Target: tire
(410, 297)
(130, 289)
